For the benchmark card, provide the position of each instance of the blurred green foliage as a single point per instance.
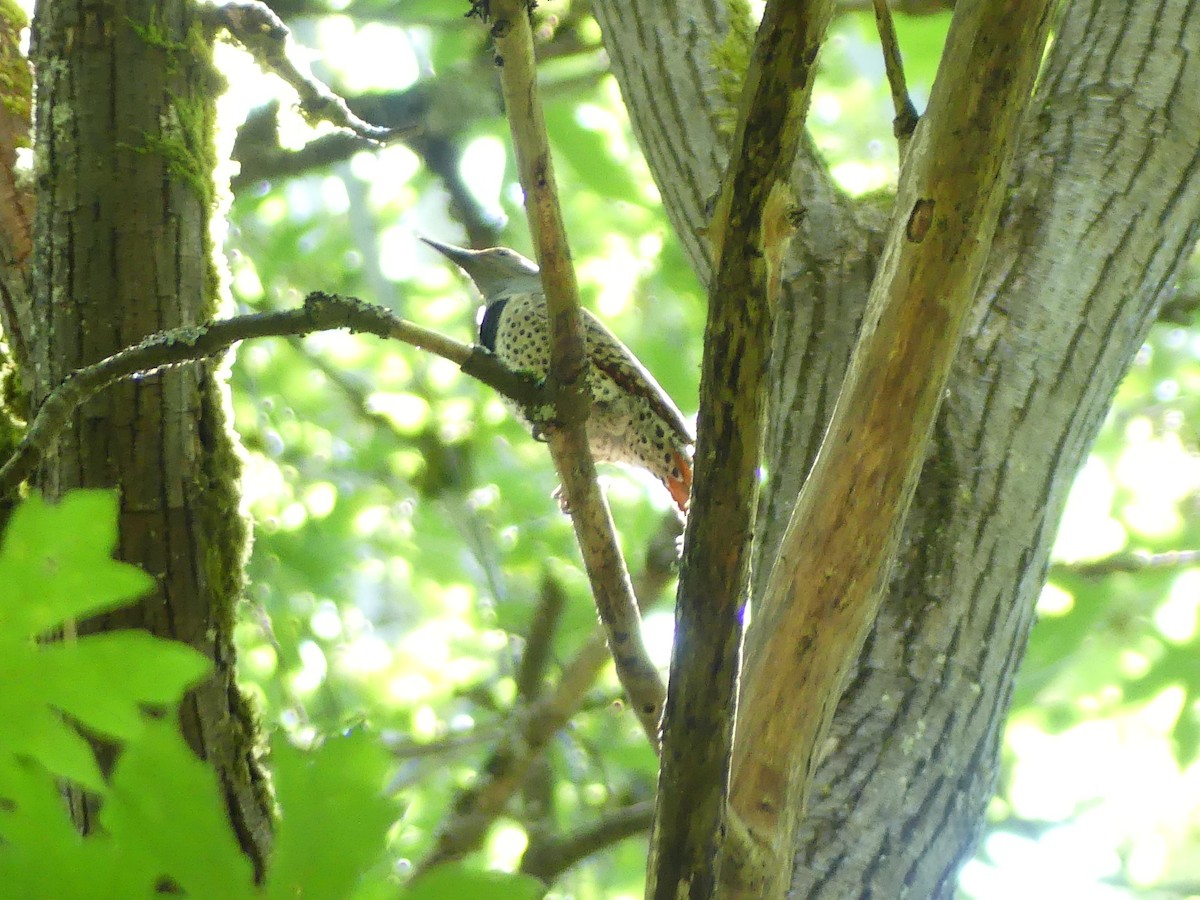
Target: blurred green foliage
(162, 815)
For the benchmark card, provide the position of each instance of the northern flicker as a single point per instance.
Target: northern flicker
(633, 420)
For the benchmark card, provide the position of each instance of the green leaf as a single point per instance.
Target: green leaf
(165, 810)
(30, 729)
(334, 817)
(102, 680)
(41, 853)
(56, 565)
(456, 882)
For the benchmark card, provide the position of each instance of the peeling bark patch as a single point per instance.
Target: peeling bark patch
(919, 220)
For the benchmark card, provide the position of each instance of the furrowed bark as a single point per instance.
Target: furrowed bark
(836, 554)
(125, 93)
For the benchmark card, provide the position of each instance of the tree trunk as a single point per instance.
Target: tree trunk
(124, 203)
(1104, 208)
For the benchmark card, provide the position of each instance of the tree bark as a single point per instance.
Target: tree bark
(124, 203)
(1103, 210)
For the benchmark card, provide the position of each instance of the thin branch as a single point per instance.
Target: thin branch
(568, 377)
(549, 858)
(406, 749)
(264, 36)
(749, 234)
(825, 588)
(906, 114)
(508, 765)
(542, 627)
(537, 793)
(1138, 561)
(320, 312)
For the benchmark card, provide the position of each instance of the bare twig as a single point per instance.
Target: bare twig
(542, 627)
(434, 110)
(568, 377)
(510, 761)
(537, 793)
(906, 114)
(320, 312)
(508, 765)
(1127, 563)
(257, 28)
(748, 235)
(449, 745)
(549, 858)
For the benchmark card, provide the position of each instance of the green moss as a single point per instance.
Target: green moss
(156, 32)
(185, 138)
(16, 79)
(731, 59)
(14, 406)
(12, 15)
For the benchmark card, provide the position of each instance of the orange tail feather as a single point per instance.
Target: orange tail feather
(681, 487)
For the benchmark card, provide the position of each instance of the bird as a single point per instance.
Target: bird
(633, 421)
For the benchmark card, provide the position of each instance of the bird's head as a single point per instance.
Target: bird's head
(497, 272)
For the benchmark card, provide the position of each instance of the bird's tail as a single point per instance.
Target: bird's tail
(681, 487)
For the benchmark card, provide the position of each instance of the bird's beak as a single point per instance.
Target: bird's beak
(458, 255)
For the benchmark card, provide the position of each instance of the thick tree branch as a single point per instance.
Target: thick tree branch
(748, 243)
(568, 377)
(673, 71)
(320, 312)
(824, 591)
(1102, 210)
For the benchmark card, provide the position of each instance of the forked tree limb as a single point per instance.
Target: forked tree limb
(826, 584)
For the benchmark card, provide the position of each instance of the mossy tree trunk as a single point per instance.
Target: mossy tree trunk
(125, 93)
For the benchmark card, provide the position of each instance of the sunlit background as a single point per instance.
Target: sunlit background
(405, 531)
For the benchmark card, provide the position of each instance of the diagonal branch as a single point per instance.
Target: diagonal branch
(1126, 563)
(748, 243)
(511, 760)
(320, 312)
(548, 859)
(568, 378)
(824, 590)
(264, 36)
(905, 121)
